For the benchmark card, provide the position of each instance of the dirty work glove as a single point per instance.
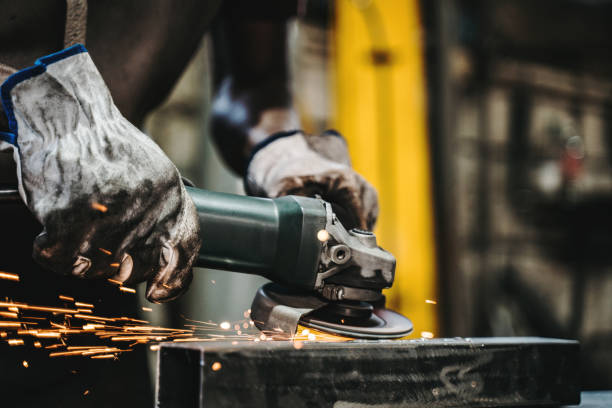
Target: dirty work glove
(295, 163)
(111, 203)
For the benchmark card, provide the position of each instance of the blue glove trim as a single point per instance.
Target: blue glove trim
(38, 68)
(8, 137)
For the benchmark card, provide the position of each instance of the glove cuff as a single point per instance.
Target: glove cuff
(270, 139)
(290, 154)
(329, 145)
(39, 67)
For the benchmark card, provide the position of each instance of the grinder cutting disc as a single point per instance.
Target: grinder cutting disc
(278, 309)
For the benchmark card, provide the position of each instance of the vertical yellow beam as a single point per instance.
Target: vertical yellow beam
(381, 110)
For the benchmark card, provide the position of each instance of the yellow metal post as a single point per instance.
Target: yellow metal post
(381, 110)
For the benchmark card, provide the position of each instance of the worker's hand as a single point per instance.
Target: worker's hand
(111, 203)
(296, 163)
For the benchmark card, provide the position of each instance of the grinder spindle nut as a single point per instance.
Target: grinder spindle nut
(340, 254)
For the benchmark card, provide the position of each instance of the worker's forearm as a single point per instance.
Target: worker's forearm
(253, 98)
(242, 118)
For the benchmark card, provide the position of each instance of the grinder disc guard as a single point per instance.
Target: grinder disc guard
(276, 308)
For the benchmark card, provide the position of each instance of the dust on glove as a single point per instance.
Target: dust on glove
(111, 203)
(295, 163)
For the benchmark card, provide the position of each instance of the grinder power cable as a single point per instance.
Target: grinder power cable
(324, 277)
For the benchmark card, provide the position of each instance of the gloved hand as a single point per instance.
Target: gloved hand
(295, 163)
(111, 203)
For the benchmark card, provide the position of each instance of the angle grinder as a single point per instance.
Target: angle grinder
(323, 276)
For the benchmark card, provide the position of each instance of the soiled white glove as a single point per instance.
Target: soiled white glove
(111, 203)
(296, 163)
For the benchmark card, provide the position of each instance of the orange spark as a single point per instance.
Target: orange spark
(9, 314)
(87, 352)
(106, 251)
(188, 340)
(92, 317)
(431, 302)
(30, 332)
(48, 334)
(10, 324)
(116, 282)
(132, 338)
(126, 289)
(132, 320)
(15, 342)
(66, 298)
(99, 350)
(92, 326)
(37, 308)
(216, 366)
(103, 356)
(427, 335)
(25, 364)
(9, 276)
(99, 207)
(81, 304)
(115, 265)
(147, 309)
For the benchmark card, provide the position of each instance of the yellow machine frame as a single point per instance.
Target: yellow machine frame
(381, 108)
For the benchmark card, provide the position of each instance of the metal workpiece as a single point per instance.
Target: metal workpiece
(478, 372)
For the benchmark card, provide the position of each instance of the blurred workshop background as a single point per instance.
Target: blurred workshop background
(486, 127)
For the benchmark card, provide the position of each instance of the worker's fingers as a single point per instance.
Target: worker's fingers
(81, 257)
(125, 269)
(354, 200)
(369, 202)
(173, 277)
(81, 265)
(52, 255)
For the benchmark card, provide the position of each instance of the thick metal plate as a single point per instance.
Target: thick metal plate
(479, 372)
